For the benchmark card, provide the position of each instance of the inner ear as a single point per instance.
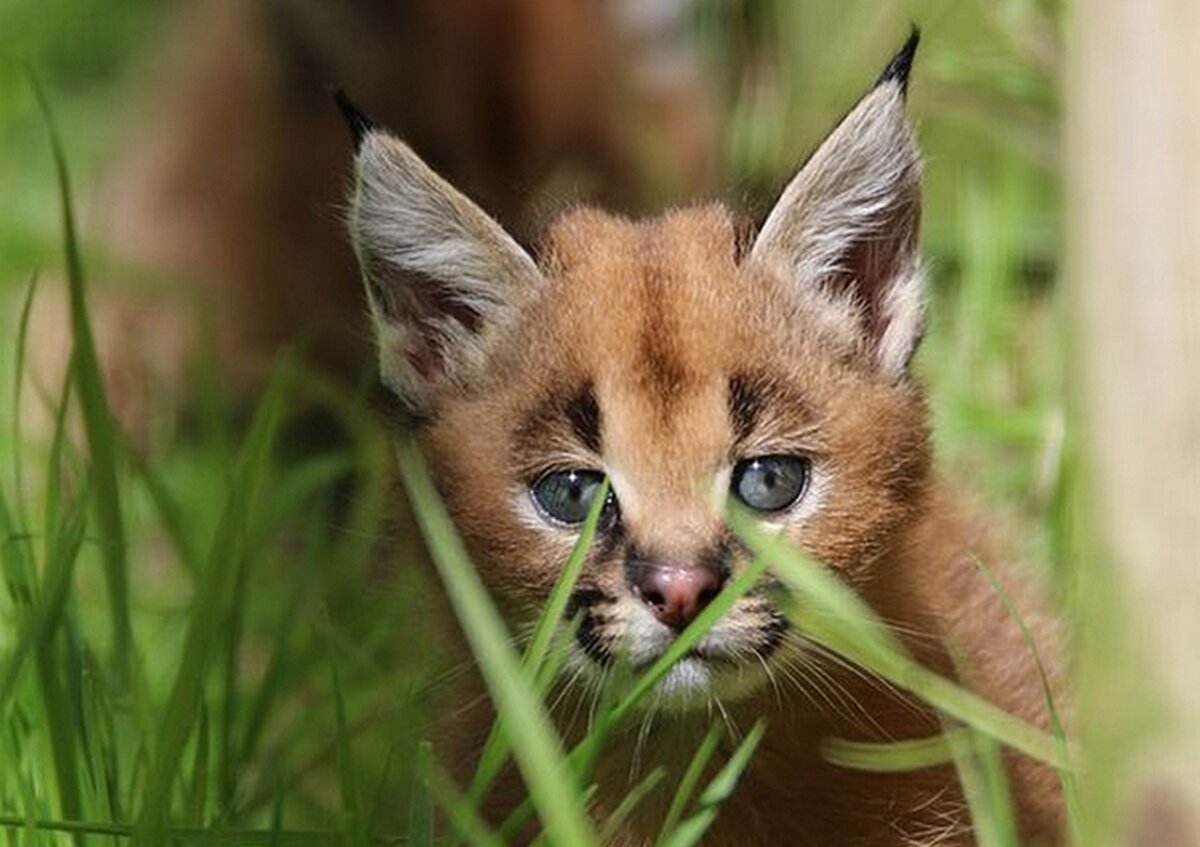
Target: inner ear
(417, 300)
(875, 262)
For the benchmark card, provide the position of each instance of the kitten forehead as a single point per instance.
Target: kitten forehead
(650, 311)
(651, 340)
(588, 236)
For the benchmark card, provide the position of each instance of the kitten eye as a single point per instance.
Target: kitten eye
(566, 496)
(770, 483)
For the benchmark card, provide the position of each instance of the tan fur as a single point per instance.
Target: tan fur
(650, 329)
(671, 285)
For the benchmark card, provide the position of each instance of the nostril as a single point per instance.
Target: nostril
(653, 597)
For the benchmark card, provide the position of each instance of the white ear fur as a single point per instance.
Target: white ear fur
(846, 225)
(441, 276)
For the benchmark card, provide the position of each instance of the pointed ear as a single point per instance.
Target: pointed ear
(847, 224)
(442, 278)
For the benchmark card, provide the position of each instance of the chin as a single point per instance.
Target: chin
(730, 663)
(697, 683)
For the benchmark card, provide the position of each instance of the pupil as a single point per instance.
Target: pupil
(769, 478)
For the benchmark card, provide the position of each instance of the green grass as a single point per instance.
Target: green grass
(197, 644)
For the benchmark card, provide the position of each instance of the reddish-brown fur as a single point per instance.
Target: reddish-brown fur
(666, 357)
(655, 316)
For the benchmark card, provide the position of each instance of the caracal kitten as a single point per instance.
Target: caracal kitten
(690, 363)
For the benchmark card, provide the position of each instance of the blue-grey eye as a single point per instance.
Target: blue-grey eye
(770, 483)
(566, 496)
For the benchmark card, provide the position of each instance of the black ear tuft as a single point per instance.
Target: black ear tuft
(897, 70)
(358, 123)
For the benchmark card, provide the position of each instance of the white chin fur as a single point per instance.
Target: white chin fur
(695, 683)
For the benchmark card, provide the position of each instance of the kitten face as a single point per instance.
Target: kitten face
(682, 367)
(653, 357)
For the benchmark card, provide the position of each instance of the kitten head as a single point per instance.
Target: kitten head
(687, 364)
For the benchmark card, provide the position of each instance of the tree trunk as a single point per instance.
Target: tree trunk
(1133, 165)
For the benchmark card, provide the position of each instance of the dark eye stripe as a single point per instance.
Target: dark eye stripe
(583, 412)
(755, 399)
(745, 405)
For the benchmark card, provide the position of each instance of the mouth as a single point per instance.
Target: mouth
(696, 681)
(724, 665)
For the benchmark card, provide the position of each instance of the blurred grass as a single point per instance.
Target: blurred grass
(86, 56)
(230, 725)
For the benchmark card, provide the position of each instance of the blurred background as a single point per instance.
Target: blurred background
(210, 167)
(209, 170)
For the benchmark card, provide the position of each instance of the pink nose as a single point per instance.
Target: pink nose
(677, 593)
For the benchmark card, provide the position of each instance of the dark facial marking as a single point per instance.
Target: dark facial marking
(583, 412)
(612, 536)
(583, 603)
(537, 425)
(745, 399)
(582, 599)
(763, 400)
(744, 231)
(772, 635)
(661, 371)
(555, 419)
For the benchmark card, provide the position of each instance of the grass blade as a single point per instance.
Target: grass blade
(889, 756)
(420, 815)
(689, 780)
(839, 620)
(97, 420)
(717, 792)
(198, 785)
(1066, 776)
(460, 811)
(691, 635)
(214, 591)
(43, 617)
(629, 804)
(60, 727)
(270, 687)
(496, 748)
(556, 605)
(985, 785)
(14, 557)
(585, 753)
(180, 835)
(535, 745)
(171, 514)
(355, 833)
(18, 380)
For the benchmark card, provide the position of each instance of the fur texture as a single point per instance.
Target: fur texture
(660, 354)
